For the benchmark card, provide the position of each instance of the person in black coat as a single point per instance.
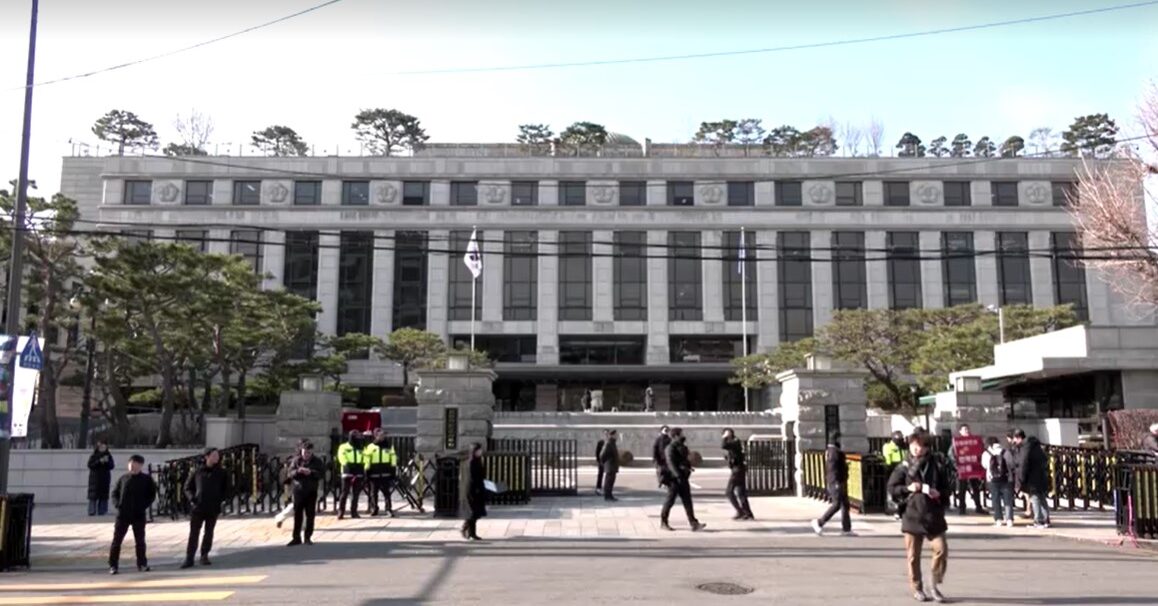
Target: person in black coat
(132, 496)
(609, 465)
(658, 455)
(599, 463)
(737, 488)
(922, 483)
(1033, 472)
(100, 479)
(678, 477)
(836, 480)
(476, 493)
(205, 489)
(305, 473)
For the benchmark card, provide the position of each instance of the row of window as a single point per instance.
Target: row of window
(574, 193)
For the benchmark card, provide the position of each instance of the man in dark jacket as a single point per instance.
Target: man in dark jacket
(922, 482)
(1033, 471)
(678, 476)
(737, 488)
(599, 463)
(100, 479)
(658, 454)
(305, 473)
(132, 496)
(609, 465)
(205, 490)
(836, 480)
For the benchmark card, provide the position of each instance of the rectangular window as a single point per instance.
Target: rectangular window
(684, 276)
(794, 269)
(575, 275)
(520, 275)
(848, 270)
(1013, 268)
(246, 193)
(355, 279)
(197, 239)
(247, 243)
(464, 193)
(1064, 193)
(904, 267)
(525, 193)
(630, 275)
(789, 193)
(307, 193)
(957, 193)
(415, 193)
(355, 193)
(696, 349)
(733, 287)
(300, 274)
(137, 236)
(681, 193)
(632, 193)
(1069, 277)
(897, 193)
(1004, 193)
(138, 192)
(602, 350)
(410, 279)
(741, 193)
(958, 267)
(573, 193)
(198, 193)
(508, 349)
(462, 281)
(849, 193)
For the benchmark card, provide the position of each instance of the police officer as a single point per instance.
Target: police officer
(737, 489)
(679, 472)
(352, 463)
(381, 466)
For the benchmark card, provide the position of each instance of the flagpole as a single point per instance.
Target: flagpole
(473, 282)
(744, 304)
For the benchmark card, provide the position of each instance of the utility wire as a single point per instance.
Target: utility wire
(779, 49)
(178, 51)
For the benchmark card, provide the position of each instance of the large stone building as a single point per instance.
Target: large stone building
(614, 272)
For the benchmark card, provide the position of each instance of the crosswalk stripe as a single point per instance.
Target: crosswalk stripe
(123, 598)
(177, 582)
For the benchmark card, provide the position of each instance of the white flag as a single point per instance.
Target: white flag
(743, 255)
(473, 257)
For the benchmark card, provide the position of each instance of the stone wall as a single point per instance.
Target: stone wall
(306, 414)
(222, 432)
(60, 477)
(467, 391)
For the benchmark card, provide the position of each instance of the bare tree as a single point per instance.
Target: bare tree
(853, 136)
(1109, 211)
(1042, 139)
(194, 130)
(876, 137)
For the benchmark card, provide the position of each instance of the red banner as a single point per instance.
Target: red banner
(968, 450)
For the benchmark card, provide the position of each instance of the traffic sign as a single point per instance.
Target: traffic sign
(32, 357)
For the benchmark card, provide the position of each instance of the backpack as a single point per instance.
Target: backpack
(998, 468)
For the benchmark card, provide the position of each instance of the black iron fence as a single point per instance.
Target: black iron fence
(553, 465)
(771, 467)
(513, 471)
(15, 530)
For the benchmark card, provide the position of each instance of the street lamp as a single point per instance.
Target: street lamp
(1000, 319)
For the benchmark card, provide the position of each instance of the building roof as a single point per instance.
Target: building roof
(1074, 350)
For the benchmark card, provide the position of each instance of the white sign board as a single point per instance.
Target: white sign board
(24, 393)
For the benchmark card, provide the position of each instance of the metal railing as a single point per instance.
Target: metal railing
(553, 464)
(771, 467)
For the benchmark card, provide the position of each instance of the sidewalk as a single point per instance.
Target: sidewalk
(65, 536)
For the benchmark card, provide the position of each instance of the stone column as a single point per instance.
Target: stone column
(765, 193)
(603, 272)
(273, 259)
(382, 305)
(876, 269)
(713, 278)
(331, 192)
(981, 193)
(491, 281)
(548, 288)
(440, 193)
(873, 193)
(657, 193)
(932, 283)
(1041, 269)
(310, 415)
(657, 294)
(988, 288)
(822, 292)
(328, 244)
(985, 412)
(437, 284)
(466, 391)
(767, 292)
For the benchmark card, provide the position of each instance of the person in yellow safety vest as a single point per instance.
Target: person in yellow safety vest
(381, 470)
(894, 452)
(352, 464)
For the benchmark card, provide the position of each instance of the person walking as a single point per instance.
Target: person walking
(599, 463)
(1014, 449)
(648, 400)
(132, 496)
(893, 452)
(476, 493)
(1033, 470)
(659, 455)
(205, 490)
(996, 462)
(966, 456)
(609, 465)
(381, 467)
(100, 479)
(287, 482)
(306, 472)
(678, 476)
(922, 481)
(737, 489)
(352, 463)
(836, 481)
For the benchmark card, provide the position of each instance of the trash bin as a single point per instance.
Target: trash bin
(446, 487)
(15, 530)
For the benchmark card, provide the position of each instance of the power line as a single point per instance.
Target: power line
(779, 49)
(178, 51)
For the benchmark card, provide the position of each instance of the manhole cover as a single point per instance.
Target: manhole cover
(725, 588)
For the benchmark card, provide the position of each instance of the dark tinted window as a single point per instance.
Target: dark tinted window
(794, 272)
(1064, 193)
(630, 275)
(849, 193)
(525, 193)
(1013, 268)
(680, 193)
(632, 193)
(848, 270)
(897, 193)
(415, 193)
(461, 280)
(733, 287)
(246, 193)
(138, 192)
(464, 193)
(957, 193)
(789, 193)
(502, 348)
(904, 267)
(573, 193)
(1069, 276)
(693, 349)
(307, 193)
(958, 267)
(355, 280)
(198, 193)
(301, 263)
(1004, 193)
(741, 193)
(520, 275)
(575, 275)
(684, 276)
(247, 243)
(602, 350)
(355, 193)
(410, 281)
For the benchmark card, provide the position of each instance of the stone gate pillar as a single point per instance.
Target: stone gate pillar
(819, 399)
(310, 414)
(456, 407)
(985, 412)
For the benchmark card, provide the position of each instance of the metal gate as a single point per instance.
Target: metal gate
(771, 467)
(554, 464)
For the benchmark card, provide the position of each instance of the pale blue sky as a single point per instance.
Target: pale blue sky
(315, 72)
